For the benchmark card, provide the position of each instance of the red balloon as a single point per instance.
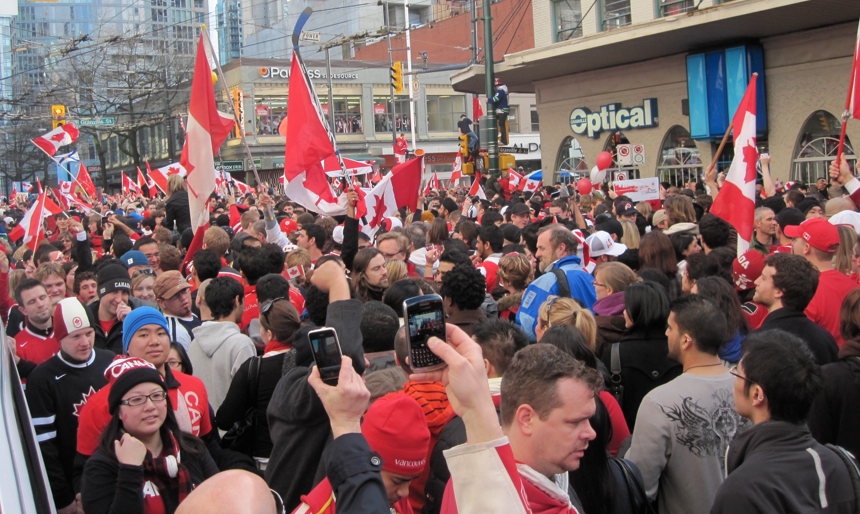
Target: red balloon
(604, 160)
(583, 186)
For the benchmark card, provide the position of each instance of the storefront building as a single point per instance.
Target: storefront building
(665, 78)
(364, 116)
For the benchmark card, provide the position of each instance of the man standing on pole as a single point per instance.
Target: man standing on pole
(400, 147)
(502, 109)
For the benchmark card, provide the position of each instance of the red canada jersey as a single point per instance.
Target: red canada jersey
(35, 348)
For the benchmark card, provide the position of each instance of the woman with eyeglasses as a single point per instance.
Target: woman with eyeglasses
(611, 279)
(255, 380)
(145, 464)
(178, 359)
(141, 284)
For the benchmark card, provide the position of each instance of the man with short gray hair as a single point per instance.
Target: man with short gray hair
(556, 251)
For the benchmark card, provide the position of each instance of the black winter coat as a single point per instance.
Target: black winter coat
(835, 418)
(176, 209)
(820, 342)
(645, 364)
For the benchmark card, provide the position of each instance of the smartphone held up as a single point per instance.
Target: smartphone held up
(325, 348)
(425, 318)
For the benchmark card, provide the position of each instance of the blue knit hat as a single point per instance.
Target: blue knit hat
(138, 318)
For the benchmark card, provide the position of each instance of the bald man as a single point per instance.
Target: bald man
(837, 205)
(234, 491)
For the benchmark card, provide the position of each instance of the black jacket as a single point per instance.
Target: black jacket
(778, 467)
(176, 209)
(109, 487)
(645, 364)
(820, 341)
(835, 417)
(113, 339)
(353, 471)
(298, 423)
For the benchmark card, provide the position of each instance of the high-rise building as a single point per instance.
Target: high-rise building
(230, 30)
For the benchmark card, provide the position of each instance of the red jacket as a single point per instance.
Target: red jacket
(321, 501)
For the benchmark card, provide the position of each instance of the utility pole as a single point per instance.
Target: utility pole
(473, 12)
(409, 69)
(492, 128)
(330, 93)
(387, 18)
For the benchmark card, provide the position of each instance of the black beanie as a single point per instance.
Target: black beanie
(132, 371)
(113, 277)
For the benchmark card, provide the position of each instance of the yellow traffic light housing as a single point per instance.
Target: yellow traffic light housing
(397, 77)
(468, 168)
(58, 112)
(464, 145)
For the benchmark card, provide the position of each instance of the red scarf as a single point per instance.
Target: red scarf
(541, 500)
(166, 482)
(275, 346)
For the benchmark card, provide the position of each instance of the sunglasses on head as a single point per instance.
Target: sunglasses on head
(144, 271)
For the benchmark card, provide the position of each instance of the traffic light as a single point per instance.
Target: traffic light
(464, 145)
(58, 112)
(397, 77)
(468, 168)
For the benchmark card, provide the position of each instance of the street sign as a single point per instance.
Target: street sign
(624, 155)
(230, 166)
(638, 155)
(513, 149)
(89, 122)
(313, 37)
(416, 88)
(258, 163)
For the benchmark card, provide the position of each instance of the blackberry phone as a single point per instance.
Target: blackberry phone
(425, 318)
(325, 348)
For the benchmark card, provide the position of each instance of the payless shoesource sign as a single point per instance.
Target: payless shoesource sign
(613, 117)
(275, 72)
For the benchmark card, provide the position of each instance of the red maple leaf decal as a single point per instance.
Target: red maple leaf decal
(379, 215)
(750, 158)
(58, 137)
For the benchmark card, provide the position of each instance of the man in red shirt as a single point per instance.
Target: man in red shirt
(489, 249)
(400, 149)
(36, 343)
(817, 240)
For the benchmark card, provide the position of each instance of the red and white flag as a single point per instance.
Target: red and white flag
(141, 181)
(241, 187)
(531, 182)
(129, 185)
(150, 182)
(28, 186)
(295, 271)
(457, 174)
(477, 190)
(207, 129)
(398, 189)
(30, 226)
(85, 182)
(59, 137)
(514, 179)
(854, 92)
(336, 183)
(376, 177)
(159, 176)
(735, 202)
(432, 184)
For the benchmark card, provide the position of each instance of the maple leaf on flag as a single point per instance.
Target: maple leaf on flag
(57, 137)
(380, 211)
(172, 170)
(750, 159)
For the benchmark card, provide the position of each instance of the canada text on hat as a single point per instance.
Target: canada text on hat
(70, 315)
(123, 363)
(746, 269)
(818, 232)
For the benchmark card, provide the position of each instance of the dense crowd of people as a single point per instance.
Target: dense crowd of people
(603, 355)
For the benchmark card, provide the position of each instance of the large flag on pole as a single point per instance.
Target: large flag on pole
(207, 129)
(31, 224)
(735, 202)
(398, 189)
(457, 174)
(159, 176)
(60, 136)
(129, 185)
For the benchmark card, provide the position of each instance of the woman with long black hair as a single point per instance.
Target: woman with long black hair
(145, 464)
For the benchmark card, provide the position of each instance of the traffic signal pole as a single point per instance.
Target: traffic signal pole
(492, 126)
(387, 18)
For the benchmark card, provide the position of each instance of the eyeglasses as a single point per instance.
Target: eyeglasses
(144, 271)
(279, 503)
(137, 401)
(174, 364)
(549, 309)
(734, 371)
(596, 283)
(266, 307)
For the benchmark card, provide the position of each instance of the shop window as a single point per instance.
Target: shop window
(347, 114)
(817, 146)
(385, 117)
(269, 112)
(679, 161)
(535, 119)
(616, 13)
(568, 19)
(444, 111)
(514, 120)
(570, 162)
(673, 7)
(611, 146)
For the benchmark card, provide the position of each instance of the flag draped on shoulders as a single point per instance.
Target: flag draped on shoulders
(735, 202)
(207, 128)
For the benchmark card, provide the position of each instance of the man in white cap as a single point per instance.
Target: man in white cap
(58, 389)
(603, 248)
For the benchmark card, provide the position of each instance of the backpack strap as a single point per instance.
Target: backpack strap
(853, 471)
(616, 388)
(254, 379)
(563, 286)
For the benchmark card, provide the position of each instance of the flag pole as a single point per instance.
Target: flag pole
(232, 107)
(846, 113)
(725, 138)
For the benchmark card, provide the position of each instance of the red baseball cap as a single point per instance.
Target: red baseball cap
(818, 232)
(746, 269)
(288, 226)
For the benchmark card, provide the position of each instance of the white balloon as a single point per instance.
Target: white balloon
(597, 175)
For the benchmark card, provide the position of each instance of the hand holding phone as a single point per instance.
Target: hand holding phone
(325, 348)
(346, 403)
(425, 318)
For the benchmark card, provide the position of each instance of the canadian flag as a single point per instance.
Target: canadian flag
(207, 128)
(477, 190)
(735, 202)
(241, 187)
(295, 271)
(432, 184)
(531, 182)
(31, 224)
(336, 183)
(86, 182)
(141, 181)
(854, 91)
(27, 185)
(150, 182)
(457, 174)
(159, 176)
(514, 179)
(398, 189)
(376, 177)
(308, 145)
(60, 136)
(129, 185)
